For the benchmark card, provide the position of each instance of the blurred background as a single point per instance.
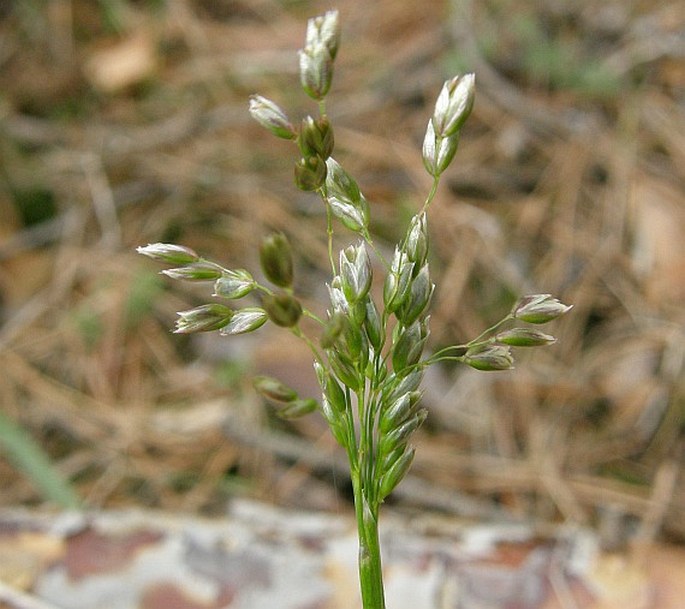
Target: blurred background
(124, 122)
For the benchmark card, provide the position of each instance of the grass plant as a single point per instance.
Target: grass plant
(369, 351)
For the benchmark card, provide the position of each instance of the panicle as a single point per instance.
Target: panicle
(270, 116)
(539, 308)
(283, 309)
(275, 255)
(322, 41)
(204, 318)
(524, 337)
(273, 389)
(316, 137)
(397, 281)
(168, 252)
(438, 151)
(234, 284)
(454, 105)
(355, 272)
(489, 358)
(245, 320)
(324, 29)
(195, 271)
(416, 303)
(416, 244)
(345, 199)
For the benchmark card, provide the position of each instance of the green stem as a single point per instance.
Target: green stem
(329, 228)
(490, 330)
(366, 503)
(264, 289)
(312, 347)
(314, 316)
(370, 569)
(431, 194)
(369, 240)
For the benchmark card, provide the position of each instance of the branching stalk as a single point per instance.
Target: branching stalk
(369, 356)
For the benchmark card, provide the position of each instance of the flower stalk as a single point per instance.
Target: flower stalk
(369, 353)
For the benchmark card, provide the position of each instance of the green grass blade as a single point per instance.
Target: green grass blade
(27, 455)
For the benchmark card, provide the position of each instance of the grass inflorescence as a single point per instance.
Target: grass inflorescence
(369, 354)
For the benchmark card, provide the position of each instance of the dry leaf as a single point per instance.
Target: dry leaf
(118, 67)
